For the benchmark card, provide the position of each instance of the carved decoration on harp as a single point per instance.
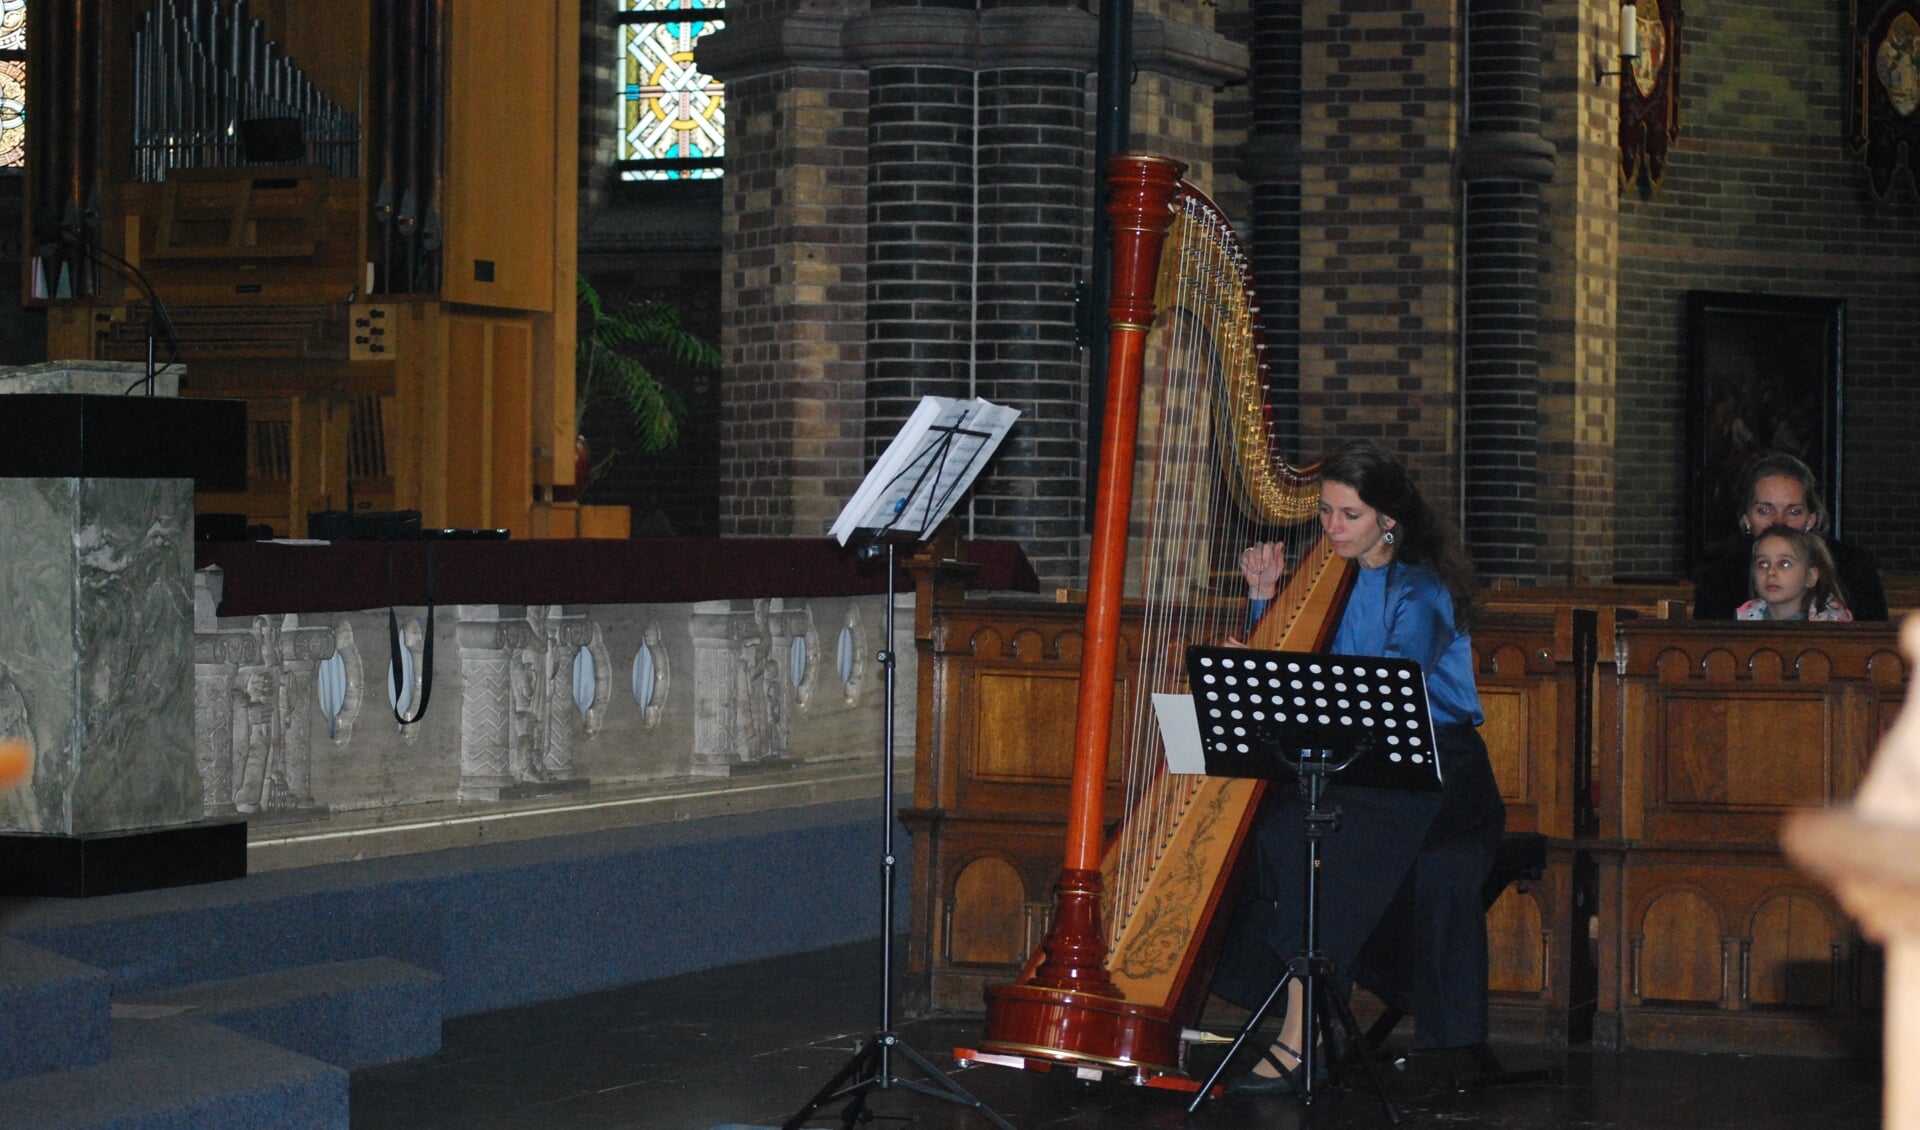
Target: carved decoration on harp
(1650, 96)
(1884, 125)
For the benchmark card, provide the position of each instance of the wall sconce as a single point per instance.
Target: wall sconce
(1629, 45)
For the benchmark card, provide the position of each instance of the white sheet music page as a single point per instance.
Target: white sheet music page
(927, 468)
(1180, 733)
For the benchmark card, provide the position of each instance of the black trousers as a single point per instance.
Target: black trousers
(1400, 895)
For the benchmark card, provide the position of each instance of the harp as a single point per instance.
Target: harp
(1124, 966)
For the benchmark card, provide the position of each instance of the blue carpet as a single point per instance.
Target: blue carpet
(509, 924)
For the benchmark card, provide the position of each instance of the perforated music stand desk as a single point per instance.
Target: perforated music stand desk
(1306, 717)
(1366, 717)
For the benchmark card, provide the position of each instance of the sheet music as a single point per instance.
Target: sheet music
(927, 468)
(1180, 733)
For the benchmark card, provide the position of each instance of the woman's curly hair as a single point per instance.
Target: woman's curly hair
(1422, 537)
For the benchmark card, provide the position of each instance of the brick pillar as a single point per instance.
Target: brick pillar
(1270, 163)
(793, 269)
(1506, 160)
(920, 233)
(1378, 205)
(1035, 222)
(1579, 288)
(908, 207)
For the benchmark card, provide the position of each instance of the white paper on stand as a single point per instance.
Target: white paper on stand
(927, 467)
(1180, 733)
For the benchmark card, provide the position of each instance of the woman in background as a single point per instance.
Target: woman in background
(1781, 491)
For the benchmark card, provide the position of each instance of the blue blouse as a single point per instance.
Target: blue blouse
(1405, 611)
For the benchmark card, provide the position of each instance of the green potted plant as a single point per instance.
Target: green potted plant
(609, 374)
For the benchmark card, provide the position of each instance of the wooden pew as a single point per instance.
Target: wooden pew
(1706, 937)
(999, 679)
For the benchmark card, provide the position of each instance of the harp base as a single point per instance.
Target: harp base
(1064, 1027)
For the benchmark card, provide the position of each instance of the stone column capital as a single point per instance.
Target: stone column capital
(744, 49)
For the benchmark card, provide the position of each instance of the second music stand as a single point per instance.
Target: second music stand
(1308, 717)
(916, 482)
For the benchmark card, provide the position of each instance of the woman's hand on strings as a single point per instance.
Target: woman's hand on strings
(1263, 564)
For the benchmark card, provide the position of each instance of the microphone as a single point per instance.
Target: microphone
(159, 321)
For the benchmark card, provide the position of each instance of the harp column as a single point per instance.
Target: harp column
(1505, 163)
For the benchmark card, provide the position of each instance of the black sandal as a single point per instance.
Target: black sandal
(1251, 1082)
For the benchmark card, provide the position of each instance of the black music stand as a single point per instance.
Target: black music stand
(1309, 717)
(912, 488)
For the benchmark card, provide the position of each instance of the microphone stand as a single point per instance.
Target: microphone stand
(159, 322)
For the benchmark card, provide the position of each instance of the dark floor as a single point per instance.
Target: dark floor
(748, 1046)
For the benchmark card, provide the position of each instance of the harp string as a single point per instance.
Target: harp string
(1209, 482)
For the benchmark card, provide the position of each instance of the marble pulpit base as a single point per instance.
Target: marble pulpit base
(96, 674)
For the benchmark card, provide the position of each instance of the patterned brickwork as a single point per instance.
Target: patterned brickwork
(958, 278)
(793, 301)
(1578, 257)
(1377, 337)
(1272, 166)
(1762, 196)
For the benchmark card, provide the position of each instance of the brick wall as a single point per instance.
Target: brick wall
(1034, 211)
(1578, 294)
(1378, 259)
(793, 313)
(1762, 196)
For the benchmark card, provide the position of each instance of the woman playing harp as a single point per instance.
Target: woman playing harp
(1127, 961)
(1124, 967)
(1403, 877)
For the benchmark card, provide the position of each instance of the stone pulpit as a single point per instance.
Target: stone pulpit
(96, 628)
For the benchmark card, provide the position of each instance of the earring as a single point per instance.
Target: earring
(1389, 537)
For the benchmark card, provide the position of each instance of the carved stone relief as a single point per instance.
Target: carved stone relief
(745, 647)
(517, 714)
(254, 694)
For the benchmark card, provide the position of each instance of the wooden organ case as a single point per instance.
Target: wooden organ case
(360, 216)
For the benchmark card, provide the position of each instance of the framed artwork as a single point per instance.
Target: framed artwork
(1650, 94)
(1884, 125)
(1763, 376)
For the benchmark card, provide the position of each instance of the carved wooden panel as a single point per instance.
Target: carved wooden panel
(985, 919)
(1710, 939)
(1000, 684)
(1029, 717)
(1519, 944)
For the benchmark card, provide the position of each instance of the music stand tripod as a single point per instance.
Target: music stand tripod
(1364, 718)
(910, 490)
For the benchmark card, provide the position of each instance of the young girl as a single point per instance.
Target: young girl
(1793, 579)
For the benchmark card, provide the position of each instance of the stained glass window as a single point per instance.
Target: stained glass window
(671, 115)
(13, 84)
